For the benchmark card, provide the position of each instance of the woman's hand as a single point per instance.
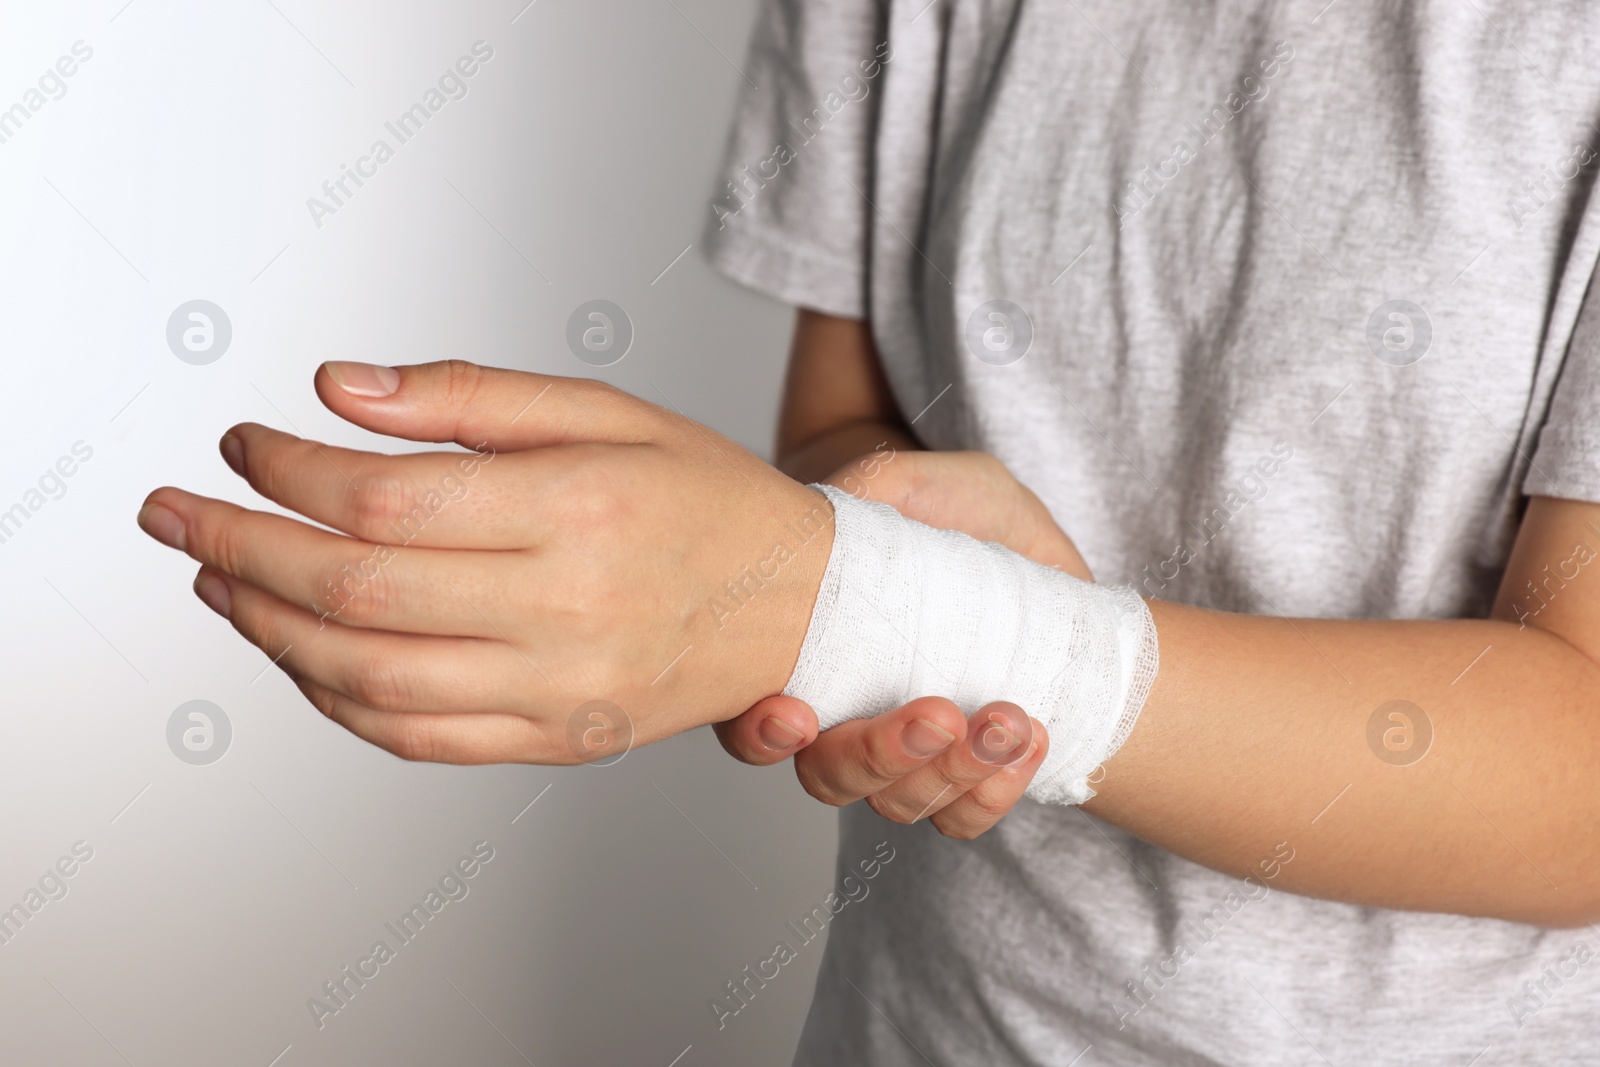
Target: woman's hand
(474, 608)
(968, 491)
(926, 758)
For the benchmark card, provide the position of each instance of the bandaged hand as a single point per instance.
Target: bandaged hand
(596, 550)
(924, 759)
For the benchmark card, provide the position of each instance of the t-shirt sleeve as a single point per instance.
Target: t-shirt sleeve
(1566, 462)
(789, 214)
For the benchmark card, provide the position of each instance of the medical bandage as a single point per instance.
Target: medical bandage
(907, 611)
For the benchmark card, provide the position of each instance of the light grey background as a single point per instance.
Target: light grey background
(219, 898)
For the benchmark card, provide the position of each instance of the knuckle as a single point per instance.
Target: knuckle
(988, 809)
(377, 502)
(957, 829)
(878, 762)
(648, 421)
(568, 598)
(262, 627)
(320, 698)
(592, 499)
(815, 785)
(414, 738)
(607, 673)
(597, 507)
(382, 682)
(272, 467)
(363, 592)
(891, 811)
(462, 380)
(605, 395)
(224, 544)
(596, 390)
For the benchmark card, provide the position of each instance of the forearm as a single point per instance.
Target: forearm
(837, 404)
(1256, 729)
(1256, 732)
(821, 456)
(1260, 730)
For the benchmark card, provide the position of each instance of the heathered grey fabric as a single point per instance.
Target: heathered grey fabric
(1204, 408)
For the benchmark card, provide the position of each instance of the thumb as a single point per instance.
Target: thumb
(774, 729)
(475, 406)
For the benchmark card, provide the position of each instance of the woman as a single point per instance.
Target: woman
(1225, 223)
(1284, 315)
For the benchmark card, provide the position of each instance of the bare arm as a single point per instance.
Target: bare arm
(1257, 731)
(836, 401)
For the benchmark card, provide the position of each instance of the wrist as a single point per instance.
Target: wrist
(759, 613)
(905, 610)
(814, 534)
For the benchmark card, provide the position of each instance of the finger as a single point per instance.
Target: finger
(478, 406)
(430, 499)
(861, 757)
(997, 735)
(441, 500)
(416, 590)
(968, 491)
(980, 807)
(771, 731)
(386, 671)
(464, 739)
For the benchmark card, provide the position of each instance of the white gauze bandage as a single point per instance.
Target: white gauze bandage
(906, 611)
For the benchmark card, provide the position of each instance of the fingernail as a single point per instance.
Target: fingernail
(1016, 765)
(922, 738)
(363, 379)
(778, 735)
(233, 453)
(994, 741)
(213, 591)
(163, 524)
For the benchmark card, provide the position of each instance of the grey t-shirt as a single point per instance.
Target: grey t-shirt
(1280, 308)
